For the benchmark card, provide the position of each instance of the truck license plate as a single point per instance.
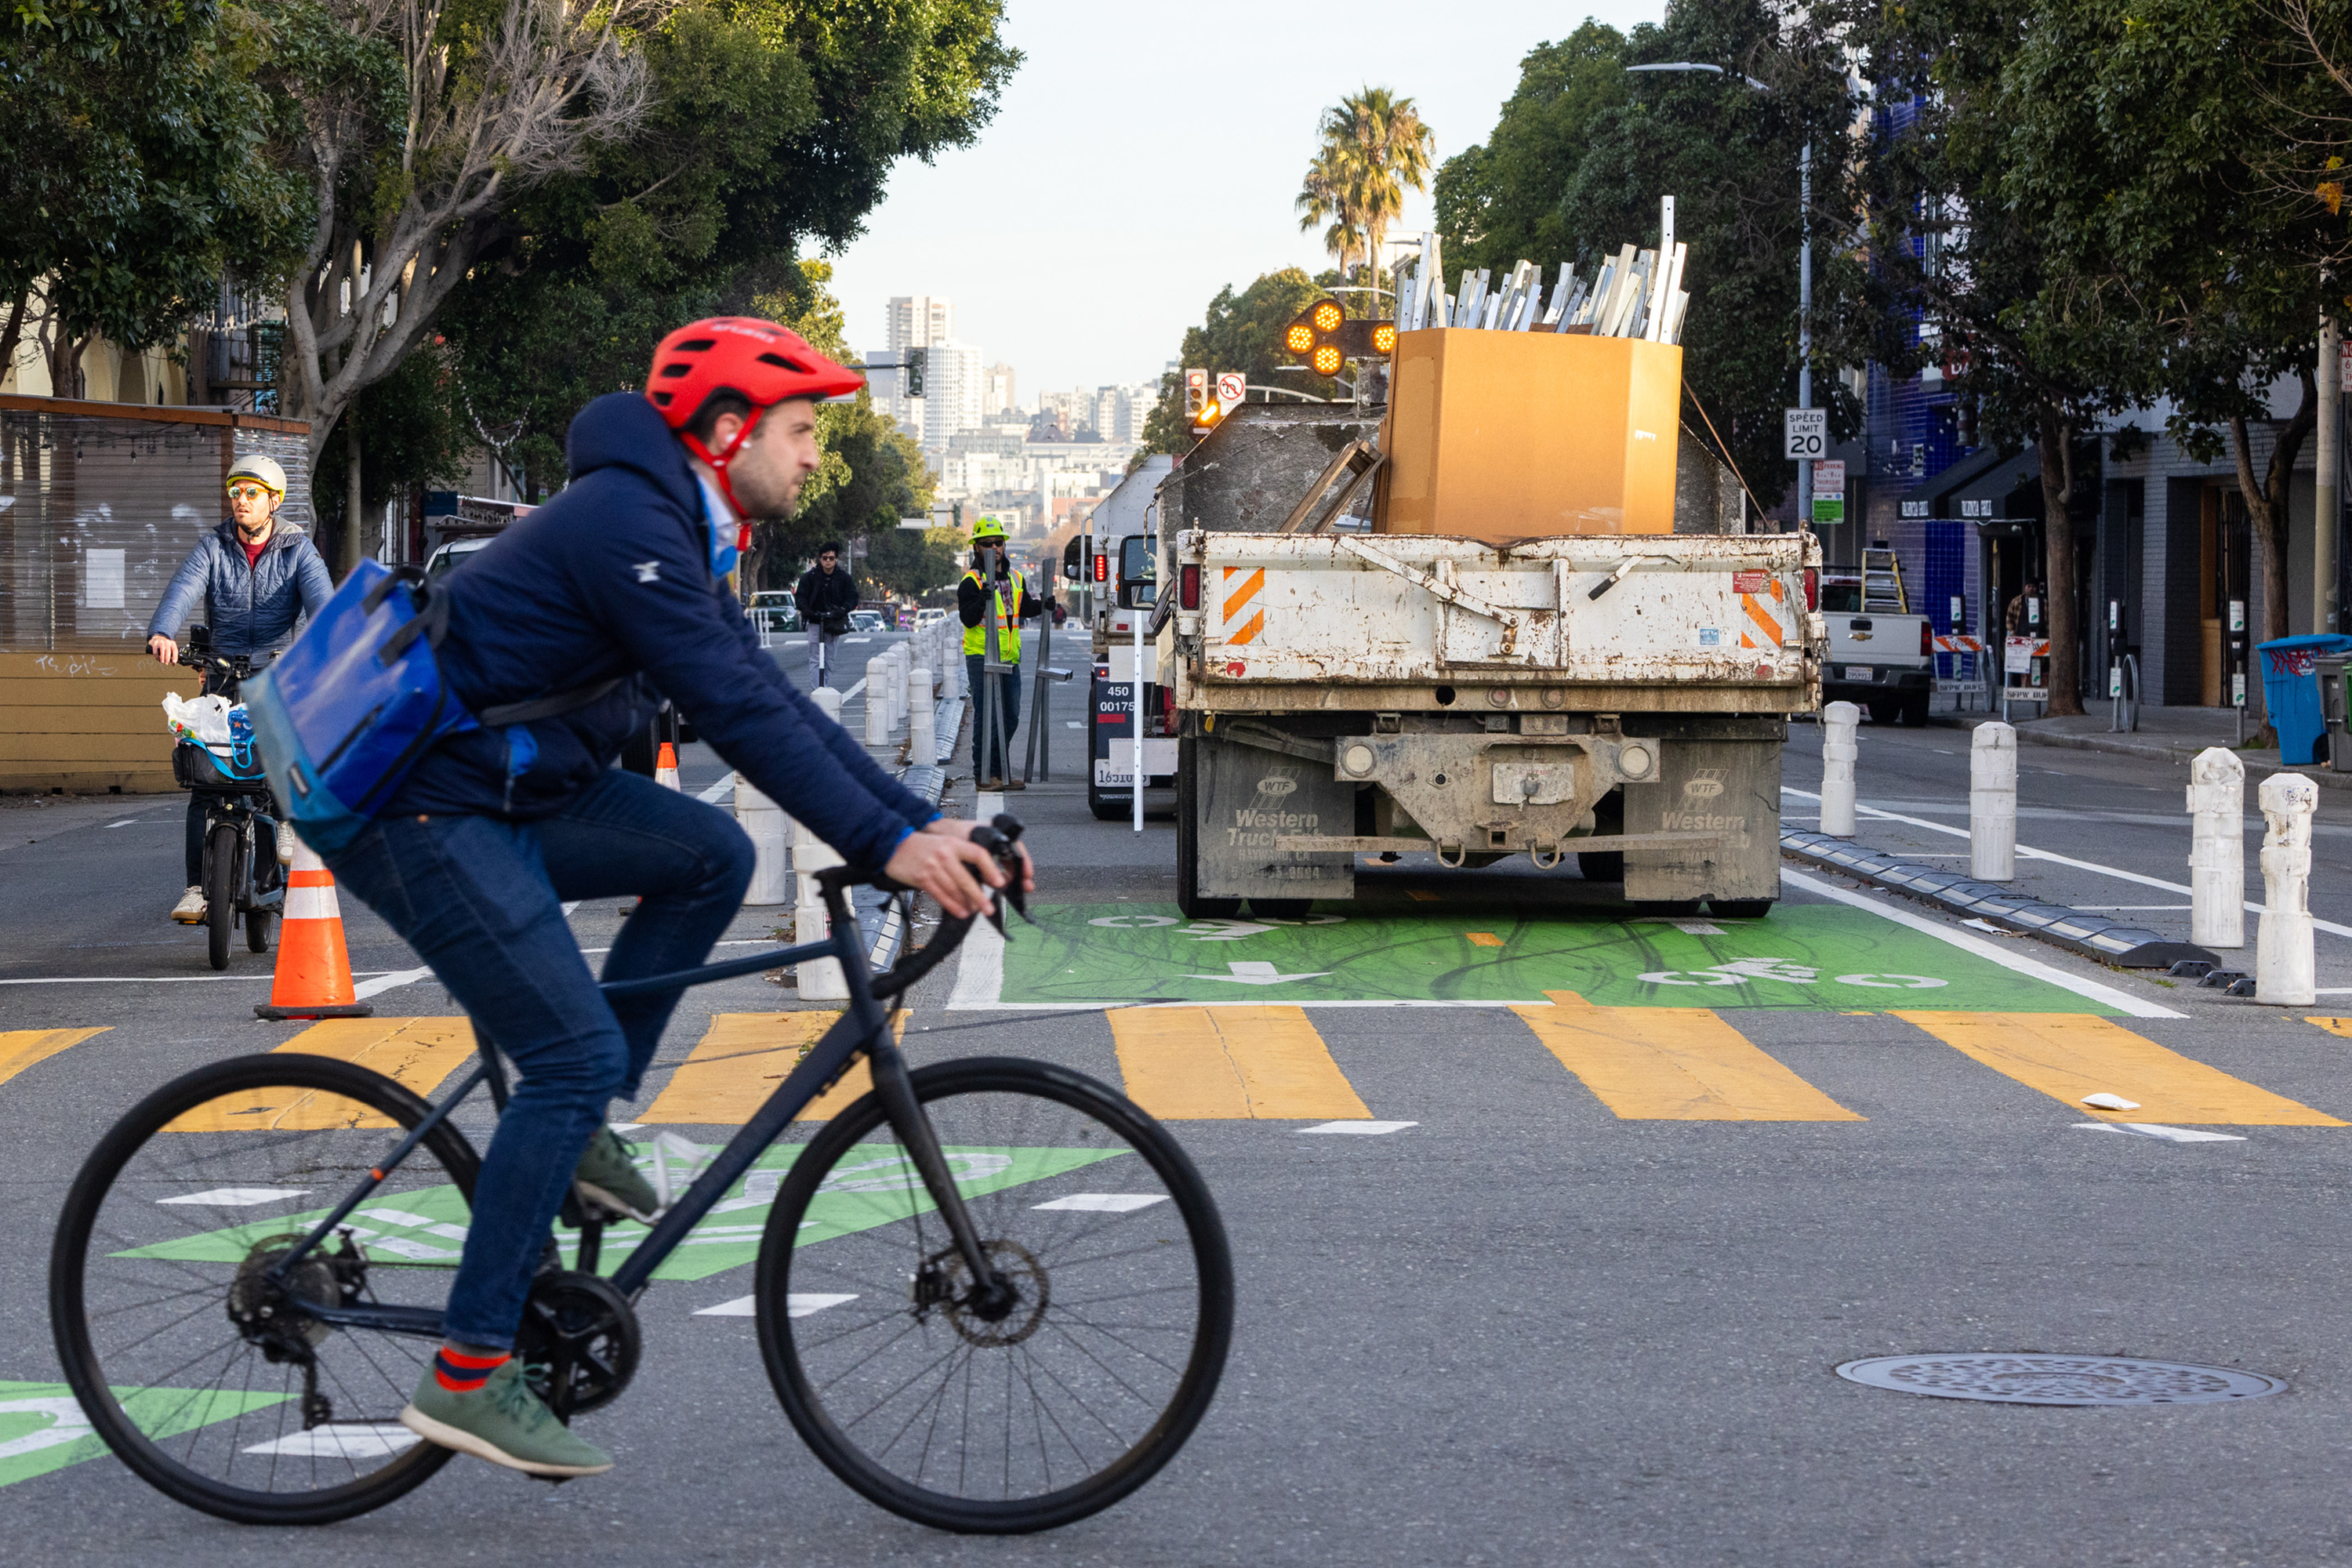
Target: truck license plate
(1860, 672)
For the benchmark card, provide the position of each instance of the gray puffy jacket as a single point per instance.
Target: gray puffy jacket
(251, 609)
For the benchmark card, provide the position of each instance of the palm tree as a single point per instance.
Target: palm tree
(1374, 144)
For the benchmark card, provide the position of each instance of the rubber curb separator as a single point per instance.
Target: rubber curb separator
(2093, 936)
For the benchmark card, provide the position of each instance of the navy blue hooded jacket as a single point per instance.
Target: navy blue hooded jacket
(251, 609)
(613, 578)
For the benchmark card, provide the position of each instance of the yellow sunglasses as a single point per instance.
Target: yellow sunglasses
(250, 492)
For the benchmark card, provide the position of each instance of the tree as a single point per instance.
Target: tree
(1500, 201)
(2181, 255)
(1241, 332)
(1731, 157)
(133, 177)
(1373, 145)
(773, 122)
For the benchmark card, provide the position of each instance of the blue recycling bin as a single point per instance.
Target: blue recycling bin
(2291, 691)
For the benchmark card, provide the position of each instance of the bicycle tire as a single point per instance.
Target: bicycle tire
(220, 892)
(103, 1379)
(257, 931)
(1204, 1274)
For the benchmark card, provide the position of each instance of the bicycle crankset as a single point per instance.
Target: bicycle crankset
(578, 1341)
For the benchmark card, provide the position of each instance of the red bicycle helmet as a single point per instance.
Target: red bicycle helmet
(758, 360)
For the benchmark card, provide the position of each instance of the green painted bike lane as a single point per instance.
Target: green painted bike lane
(426, 1228)
(1810, 956)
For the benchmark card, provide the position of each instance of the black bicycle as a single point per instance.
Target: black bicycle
(993, 1295)
(244, 883)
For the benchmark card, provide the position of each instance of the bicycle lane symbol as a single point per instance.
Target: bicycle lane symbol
(1748, 971)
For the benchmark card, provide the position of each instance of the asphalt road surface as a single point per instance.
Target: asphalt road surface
(1615, 1197)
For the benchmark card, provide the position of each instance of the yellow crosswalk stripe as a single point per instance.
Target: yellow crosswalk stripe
(1196, 1064)
(2069, 1054)
(1674, 1064)
(742, 1059)
(417, 1053)
(20, 1048)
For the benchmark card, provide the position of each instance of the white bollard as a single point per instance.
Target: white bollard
(828, 699)
(2217, 848)
(1992, 802)
(2285, 967)
(902, 664)
(922, 721)
(820, 979)
(878, 703)
(771, 833)
(1839, 723)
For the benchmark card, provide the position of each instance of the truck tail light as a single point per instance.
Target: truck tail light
(1926, 640)
(1188, 589)
(1102, 568)
(1167, 710)
(1812, 589)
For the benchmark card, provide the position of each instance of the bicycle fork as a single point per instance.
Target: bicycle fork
(991, 1297)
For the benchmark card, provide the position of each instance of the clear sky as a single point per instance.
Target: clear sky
(1143, 158)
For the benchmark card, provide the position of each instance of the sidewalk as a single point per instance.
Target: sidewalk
(2165, 734)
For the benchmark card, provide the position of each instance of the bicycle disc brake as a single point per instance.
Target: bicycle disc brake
(1003, 1315)
(578, 1341)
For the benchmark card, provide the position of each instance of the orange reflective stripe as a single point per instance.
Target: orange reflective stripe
(1255, 624)
(1236, 601)
(1761, 616)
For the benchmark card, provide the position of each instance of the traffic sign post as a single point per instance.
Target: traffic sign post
(1805, 434)
(1232, 385)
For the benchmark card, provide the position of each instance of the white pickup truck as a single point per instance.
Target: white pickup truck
(1621, 699)
(1881, 660)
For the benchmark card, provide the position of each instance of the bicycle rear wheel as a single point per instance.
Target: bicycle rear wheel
(1029, 1411)
(202, 1373)
(220, 892)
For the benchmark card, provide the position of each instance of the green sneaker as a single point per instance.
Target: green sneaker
(607, 1173)
(499, 1419)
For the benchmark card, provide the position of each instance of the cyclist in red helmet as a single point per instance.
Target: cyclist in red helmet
(620, 586)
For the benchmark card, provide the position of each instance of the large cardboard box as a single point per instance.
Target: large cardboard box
(1503, 435)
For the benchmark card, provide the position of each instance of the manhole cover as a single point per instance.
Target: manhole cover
(2024, 1379)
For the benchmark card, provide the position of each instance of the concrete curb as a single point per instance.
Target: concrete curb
(2093, 936)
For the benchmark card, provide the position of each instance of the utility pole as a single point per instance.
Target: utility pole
(2327, 513)
(1805, 326)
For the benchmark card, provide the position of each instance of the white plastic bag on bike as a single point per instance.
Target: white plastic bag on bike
(202, 722)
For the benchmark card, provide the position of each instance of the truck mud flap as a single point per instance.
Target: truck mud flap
(1731, 788)
(1245, 798)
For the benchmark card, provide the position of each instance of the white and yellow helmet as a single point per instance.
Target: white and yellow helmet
(262, 470)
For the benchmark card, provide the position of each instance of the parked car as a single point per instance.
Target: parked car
(451, 553)
(776, 611)
(867, 621)
(925, 620)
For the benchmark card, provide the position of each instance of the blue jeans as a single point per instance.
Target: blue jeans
(1008, 698)
(481, 901)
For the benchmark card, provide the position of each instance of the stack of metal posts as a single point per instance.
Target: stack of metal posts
(1632, 294)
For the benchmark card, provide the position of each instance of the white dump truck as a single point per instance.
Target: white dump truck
(1351, 688)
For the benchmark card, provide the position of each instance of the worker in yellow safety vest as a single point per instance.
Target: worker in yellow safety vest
(991, 589)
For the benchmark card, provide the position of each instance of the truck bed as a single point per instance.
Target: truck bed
(1633, 623)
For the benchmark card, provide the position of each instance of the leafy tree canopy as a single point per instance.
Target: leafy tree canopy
(1242, 332)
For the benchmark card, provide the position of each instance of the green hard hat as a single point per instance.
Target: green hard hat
(985, 529)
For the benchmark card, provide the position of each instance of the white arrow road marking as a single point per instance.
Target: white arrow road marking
(1361, 1128)
(1223, 929)
(1257, 974)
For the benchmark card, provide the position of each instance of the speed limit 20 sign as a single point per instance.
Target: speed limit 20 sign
(1805, 433)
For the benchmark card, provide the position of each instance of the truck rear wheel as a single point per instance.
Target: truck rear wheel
(1739, 909)
(1188, 840)
(1281, 909)
(1884, 710)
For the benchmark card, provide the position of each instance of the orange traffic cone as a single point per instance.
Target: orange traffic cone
(314, 970)
(665, 768)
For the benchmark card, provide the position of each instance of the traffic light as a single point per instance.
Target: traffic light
(1196, 393)
(915, 358)
(1326, 339)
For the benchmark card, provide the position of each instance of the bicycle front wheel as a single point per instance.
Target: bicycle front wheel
(1050, 1399)
(188, 1353)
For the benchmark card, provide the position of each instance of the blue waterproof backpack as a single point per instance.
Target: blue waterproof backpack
(349, 711)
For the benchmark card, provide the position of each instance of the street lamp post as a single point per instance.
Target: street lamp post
(1804, 277)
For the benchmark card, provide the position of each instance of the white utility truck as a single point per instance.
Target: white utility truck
(1353, 689)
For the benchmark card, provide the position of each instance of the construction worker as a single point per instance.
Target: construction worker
(991, 588)
(255, 576)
